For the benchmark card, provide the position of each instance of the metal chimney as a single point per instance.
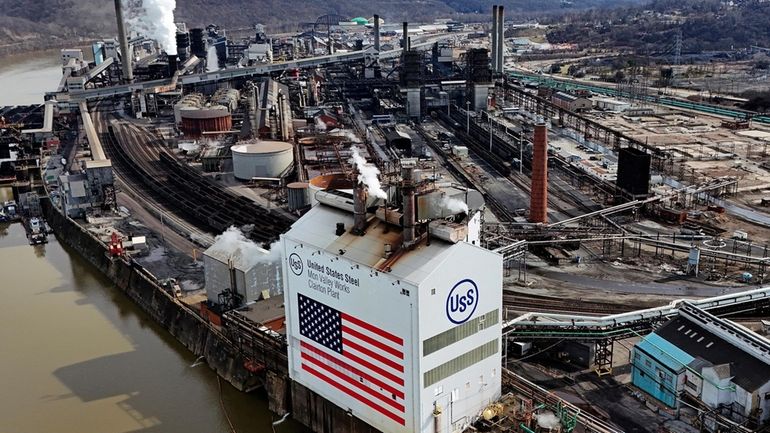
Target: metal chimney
(538, 205)
(493, 42)
(377, 33)
(359, 210)
(404, 40)
(407, 192)
(128, 72)
(500, 38)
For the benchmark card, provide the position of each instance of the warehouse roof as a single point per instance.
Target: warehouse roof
(697, 341)
(664, 352)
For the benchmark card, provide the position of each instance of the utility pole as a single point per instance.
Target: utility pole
(468, 117)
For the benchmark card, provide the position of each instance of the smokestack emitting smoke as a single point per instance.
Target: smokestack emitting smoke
(156, 21)
(454, 205)
(367, 174)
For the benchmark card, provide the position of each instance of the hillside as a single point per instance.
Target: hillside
(53, 23)
(705, 25)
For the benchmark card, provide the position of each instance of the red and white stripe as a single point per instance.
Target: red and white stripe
(370, 368)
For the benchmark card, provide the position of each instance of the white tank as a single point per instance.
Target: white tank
(262, 159)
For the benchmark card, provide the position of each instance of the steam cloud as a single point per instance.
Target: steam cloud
(233, 242)
(353, 138)
(212, 61)
(548, 420)
(155, 20)
(367, 174)
(454, 205)
(319, 124)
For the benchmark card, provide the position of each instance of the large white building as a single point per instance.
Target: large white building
(405, 336)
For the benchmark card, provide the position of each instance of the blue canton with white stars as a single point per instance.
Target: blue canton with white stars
(320, 323)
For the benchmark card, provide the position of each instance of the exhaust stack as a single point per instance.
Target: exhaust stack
(405, 39)
(377, 33)
(493, 43)
(407, 192)
(500, 38)
(359, 210)
(128, 72)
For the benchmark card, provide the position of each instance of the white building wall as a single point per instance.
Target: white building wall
(463, 395)
(716, 391)
(378, 298)
(763, 393)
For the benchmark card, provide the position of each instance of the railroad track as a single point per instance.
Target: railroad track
(546, 304)
(157, 176)
(132, 184)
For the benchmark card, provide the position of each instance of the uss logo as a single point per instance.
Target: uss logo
(462, 301)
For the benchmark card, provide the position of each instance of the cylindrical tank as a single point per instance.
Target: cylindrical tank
(197, 120)
(328, 181)
(297, 195)
(262, 159)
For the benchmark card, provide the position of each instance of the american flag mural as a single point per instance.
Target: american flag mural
(354, 357)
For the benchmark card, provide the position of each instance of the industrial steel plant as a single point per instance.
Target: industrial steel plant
(416, 227)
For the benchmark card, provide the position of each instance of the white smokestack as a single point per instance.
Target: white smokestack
(367, 174)
(155, 20)
(454, 205)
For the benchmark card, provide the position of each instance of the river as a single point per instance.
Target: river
(78, 356)
(24, 78)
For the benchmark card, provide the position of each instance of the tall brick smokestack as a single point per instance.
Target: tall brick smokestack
(538, 205)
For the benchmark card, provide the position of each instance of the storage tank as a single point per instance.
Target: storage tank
(328, 181)
(197, 120)
(262, 159)
(297, 195)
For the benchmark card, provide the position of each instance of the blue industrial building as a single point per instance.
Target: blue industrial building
(658, 368)
(698, 356)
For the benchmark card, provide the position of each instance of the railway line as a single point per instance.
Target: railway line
(200, 205)
(676, 103)
(561, 199)
(528, 303)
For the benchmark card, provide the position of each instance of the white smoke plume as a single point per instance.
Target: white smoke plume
(234, 244)
(212, 61)
(349, 135)
(367, 174)
(319, 124)
(548, 420)
(454, 205)
(155, 19)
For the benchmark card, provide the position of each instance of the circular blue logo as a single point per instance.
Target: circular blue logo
(295, 264)
(462, 301)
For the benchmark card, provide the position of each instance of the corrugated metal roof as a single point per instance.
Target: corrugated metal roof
(664, 352)
(317, 229)
(750, 372)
